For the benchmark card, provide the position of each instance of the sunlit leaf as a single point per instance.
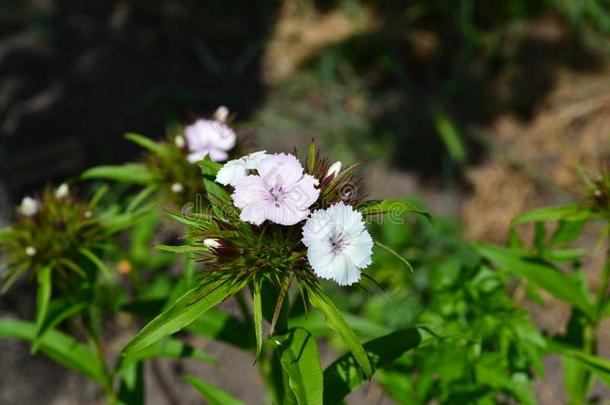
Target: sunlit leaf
(301, 361)
(184, 311)
(336, 322)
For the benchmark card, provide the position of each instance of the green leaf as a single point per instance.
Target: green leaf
(131, 391)
(159, 149)
(222, 327)
(185, 310)
(139, 198)
(257, 305)
(132, 173)
(450, 137)
(59, 310)
(394, 210)
(540, 273)
(343, 376)
(60, 347)
(569, 212)
(182, 248)
(600, 367)
(43, 298)
(300, 360)
(336, 322)
(213, 395)
(95, 260)
(167, 348)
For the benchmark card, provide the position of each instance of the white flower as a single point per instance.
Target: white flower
(177, 188)
(221, 114)
(338, 244)
(179, 142)
(28, 207)
(281, 192)
(212, 243)
(62, 191)
(333, 171)
(206, 137)
(30, 251)
(235, 170)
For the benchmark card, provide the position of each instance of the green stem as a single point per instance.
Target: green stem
(99, 352)
(601, 297)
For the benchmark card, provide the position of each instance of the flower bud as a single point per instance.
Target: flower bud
(88, 214)
(30, 251)
(221, 114)
(333, 171)
(177, 188)
(29, 207)
(212, 243)
(62, 191)
(179, 142)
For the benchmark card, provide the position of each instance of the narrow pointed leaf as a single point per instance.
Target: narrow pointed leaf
(213, 395)
(159, 149)
(167, 348)
(393, 210)
(336, 322)
(258, 316)
(185, 310)
(301, 361)
(60, 347)
(569, 212)
(59, 310)
(95, 260)
(132, 173)
(43, 298)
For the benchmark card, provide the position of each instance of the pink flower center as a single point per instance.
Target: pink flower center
(277, 194)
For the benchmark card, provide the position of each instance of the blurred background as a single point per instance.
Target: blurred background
(480, 110)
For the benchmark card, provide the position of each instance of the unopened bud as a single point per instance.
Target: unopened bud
(333, 171)
(28, 207)
(30, 251)
(179, 142)
(62, 191)
(88, 214)
(212, 243)
(221, 114)
(177, 188)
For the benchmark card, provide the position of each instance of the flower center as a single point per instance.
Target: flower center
(338, 242)
(277, 195)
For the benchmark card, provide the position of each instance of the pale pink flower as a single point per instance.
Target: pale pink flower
(280, 193)
(206, 137)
